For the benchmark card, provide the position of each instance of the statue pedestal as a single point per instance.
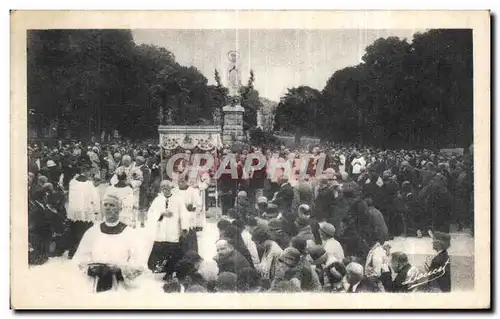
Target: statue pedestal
(233, 124)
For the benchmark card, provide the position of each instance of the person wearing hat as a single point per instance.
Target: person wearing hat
(305, 190)
(244, 209)
(355, 281)
(52, 172)
(270, 252)
(403, 271)
(261, 205)
(277, 234)
(271, 211)
(330, 271)
(329, 243)
(36, 192)
(327, 193)
(388, 204)
(408, 173)
(292, 265)
(288, 259)
(108, 250)
(83, 207)
(304, 210)
(284, 197)
(304, 230)
(440, 264)
(373, 186)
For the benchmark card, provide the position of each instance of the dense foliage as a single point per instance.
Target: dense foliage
(90, 81)
(85, 82)
(402, 95)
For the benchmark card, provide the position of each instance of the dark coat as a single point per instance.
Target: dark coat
(377, 225)
(365, 286)
(355, 235)
(32, 167)
(289, 227)
(146, 176)
(306, 193)
(409, 174)
(443, 283)
(373, 191)
(244, 210)
(232, 263)
(284, 197)
(280, 237)
(324, 204)
(396, 285)
(306, 233)
(304, 273)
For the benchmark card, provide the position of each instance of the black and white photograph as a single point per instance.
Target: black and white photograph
(249, 161)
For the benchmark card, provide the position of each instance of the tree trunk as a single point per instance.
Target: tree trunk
(298, 135)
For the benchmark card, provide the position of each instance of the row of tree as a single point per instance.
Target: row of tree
(417, 94)
(403, 94)
(86, 82)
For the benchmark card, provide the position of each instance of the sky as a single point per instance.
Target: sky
(280, 59)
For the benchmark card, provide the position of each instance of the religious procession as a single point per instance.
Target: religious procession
(114, 212)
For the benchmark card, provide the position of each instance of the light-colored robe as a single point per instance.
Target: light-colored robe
(97, 247)
(83, 201)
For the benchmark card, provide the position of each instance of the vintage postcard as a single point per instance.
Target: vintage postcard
(250, 160)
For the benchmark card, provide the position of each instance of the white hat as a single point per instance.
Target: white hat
(261, 200)
(242, 194)
(51, 163)
(304, 208)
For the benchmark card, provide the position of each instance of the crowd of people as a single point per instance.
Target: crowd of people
(328, 231)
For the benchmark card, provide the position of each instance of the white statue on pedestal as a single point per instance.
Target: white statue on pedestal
(234, 79)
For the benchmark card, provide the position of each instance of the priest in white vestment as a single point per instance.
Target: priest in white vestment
(168, 223)
(192, 201)
(83, 208)
(124, 191)
(199, 179)
(134, 174)
(108, 251)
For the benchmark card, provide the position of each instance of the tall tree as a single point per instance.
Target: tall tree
(297, 111)
(250, 101)
(404, 95)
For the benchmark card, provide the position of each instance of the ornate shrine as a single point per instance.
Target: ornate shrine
(210, 137)
(205, 138)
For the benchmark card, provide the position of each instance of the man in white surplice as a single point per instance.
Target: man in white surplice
(168, 223)
(199, 180)
(192, 201)
(107, 251)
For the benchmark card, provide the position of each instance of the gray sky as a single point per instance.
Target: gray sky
(280, 59)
